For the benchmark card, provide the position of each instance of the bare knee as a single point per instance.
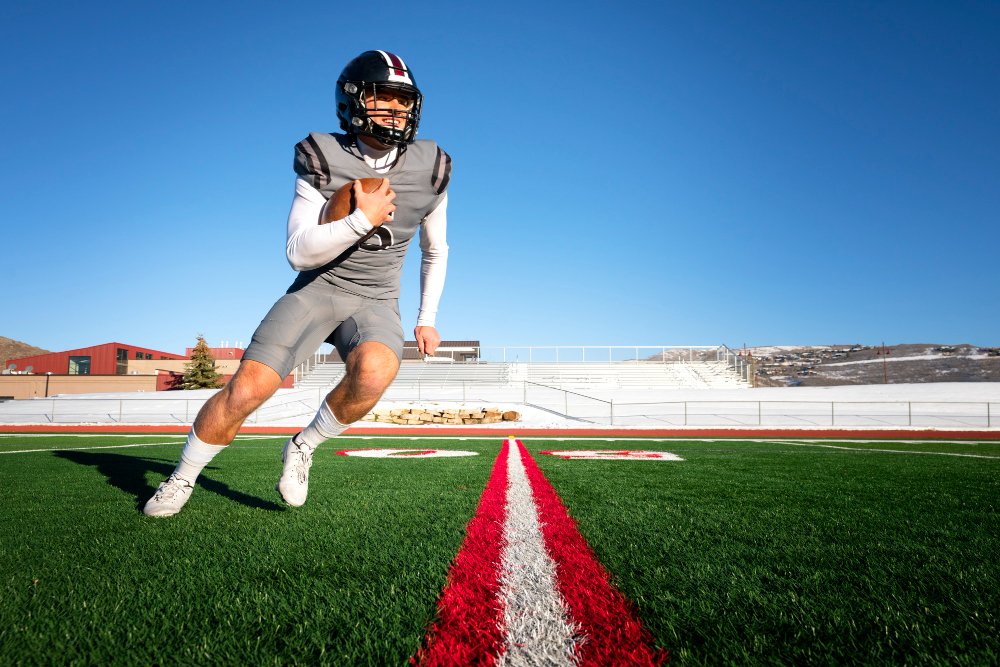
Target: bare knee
(253, 384)
(219, 419)
(371, 368)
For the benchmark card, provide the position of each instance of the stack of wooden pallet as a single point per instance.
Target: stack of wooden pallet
(418, 416)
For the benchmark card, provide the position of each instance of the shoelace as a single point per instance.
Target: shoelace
(305, 460)
(170, 488)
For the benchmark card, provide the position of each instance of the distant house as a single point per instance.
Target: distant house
(458, 350)
(106, 359)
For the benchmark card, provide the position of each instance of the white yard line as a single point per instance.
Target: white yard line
(536, 624)
(890, 451)
(74, 449)
(474, 437)
(734, 439)
(900, 442)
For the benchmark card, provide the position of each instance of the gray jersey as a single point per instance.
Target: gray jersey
(419, 179)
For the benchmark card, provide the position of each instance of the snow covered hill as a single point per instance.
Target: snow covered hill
(826, 365)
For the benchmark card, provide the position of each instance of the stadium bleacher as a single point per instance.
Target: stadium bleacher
(632, 375)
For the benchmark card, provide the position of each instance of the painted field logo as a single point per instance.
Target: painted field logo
(404, 453)
(615, 455)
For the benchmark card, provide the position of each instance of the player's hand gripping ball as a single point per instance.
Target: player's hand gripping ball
(371, 195)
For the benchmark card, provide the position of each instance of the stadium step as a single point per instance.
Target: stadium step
(697, 374)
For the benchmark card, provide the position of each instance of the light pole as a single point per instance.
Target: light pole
(884, 352)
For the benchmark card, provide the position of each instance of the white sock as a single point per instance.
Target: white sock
(323, 427)
(195, 456)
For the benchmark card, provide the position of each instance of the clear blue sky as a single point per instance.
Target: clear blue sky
(662, 173)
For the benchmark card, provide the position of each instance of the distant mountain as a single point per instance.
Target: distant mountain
(15, 349)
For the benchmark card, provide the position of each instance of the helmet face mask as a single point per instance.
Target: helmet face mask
(377, 86)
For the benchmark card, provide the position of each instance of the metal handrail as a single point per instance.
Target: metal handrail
(600, 349)
(594, 409)
(566, 391)
(303, 370)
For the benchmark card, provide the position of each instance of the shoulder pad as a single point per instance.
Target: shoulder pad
(441, 174)
(310, 163)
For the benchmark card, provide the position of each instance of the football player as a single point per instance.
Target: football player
(347, 287)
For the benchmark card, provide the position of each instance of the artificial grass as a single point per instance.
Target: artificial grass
(767, 553)
(21, 442)
(352, 577)
(744, 553)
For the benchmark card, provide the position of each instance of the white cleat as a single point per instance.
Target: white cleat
(170, 497)
(294, 483)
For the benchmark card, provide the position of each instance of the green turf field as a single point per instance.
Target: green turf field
(826, 553)
(744, 553)
(352, 577)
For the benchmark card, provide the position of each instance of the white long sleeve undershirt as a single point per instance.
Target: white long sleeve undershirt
(311, 245)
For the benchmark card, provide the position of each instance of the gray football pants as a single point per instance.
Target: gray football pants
(300, 321)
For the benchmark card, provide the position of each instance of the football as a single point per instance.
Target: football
(342, 202)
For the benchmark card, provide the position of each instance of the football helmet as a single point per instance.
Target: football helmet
(359, 87)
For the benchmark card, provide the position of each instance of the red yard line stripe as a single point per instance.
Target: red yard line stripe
(607, 618)
(894, 434)
(467, 629)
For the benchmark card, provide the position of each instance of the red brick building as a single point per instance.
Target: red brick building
(107, 359)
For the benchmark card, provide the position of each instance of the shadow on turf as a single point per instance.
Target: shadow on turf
(128, 473)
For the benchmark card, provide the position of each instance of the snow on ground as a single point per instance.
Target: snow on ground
(764, 350)
(914, 357)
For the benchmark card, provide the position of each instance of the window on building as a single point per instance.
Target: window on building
(79, 365)
(138, 355)
(149, 356)
(162, 357)
(121, 361)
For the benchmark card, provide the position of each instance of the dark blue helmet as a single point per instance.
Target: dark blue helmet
(366, 77)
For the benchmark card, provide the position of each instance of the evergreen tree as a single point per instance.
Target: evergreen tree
(200, 373)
